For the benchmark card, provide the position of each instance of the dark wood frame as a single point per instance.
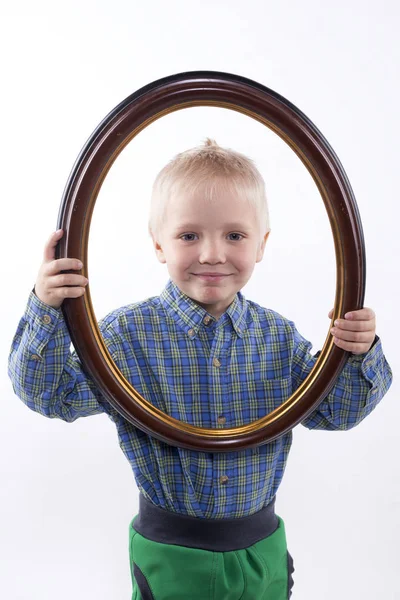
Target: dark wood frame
(209, 88)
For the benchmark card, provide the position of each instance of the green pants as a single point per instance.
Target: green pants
(162, 571)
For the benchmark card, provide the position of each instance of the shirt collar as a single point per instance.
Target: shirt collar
(191, 317)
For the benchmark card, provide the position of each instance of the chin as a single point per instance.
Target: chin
(215, 298)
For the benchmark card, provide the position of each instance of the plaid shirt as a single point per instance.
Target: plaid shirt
(209, 373)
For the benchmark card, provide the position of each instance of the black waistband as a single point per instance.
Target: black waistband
(220, 535)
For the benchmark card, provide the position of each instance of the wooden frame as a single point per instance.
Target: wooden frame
(209, 88)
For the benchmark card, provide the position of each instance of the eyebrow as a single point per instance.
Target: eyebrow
(228, 226)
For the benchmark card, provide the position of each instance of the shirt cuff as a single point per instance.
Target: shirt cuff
(369, 362)
(43, 320)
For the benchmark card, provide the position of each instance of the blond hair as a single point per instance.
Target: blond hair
(207, 167)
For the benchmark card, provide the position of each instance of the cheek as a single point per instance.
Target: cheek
(245, 260)
(181, 256)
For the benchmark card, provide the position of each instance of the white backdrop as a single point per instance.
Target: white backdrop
(67, 492)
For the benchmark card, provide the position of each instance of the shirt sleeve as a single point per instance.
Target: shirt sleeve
(45, 375)
(358, 389)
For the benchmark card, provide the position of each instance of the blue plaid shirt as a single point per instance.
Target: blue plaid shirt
(209, 373)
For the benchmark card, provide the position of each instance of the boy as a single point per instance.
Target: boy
(204, 354)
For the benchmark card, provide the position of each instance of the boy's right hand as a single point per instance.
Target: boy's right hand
(51, 285)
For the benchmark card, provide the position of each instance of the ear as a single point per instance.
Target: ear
(261, 249)
(158, 249)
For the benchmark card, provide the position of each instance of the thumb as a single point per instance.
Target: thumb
(50, 247)
(330, 314)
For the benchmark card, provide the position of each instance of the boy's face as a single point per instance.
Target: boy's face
(210, 247)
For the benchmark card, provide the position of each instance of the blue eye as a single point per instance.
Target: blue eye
(237, 237)
(188, 237)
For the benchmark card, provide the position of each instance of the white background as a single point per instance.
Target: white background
(67, 493)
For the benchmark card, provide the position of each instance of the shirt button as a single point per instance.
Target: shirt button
(216, 362)
(191, 332)
(221, 420)
(207, 320)
(223, 478)
(46, 319)
(35, 357)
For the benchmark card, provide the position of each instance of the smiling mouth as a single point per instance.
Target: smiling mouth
(211, 276)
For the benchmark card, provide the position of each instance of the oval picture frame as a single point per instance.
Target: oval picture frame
(120, 126)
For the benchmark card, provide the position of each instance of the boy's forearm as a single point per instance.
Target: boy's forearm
(360, 387)
(45, 376)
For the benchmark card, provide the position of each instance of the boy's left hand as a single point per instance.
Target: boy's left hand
(356, 332)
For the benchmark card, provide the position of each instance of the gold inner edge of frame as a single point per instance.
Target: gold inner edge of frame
(276, 414)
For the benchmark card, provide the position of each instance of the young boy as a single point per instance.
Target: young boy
(204, 354)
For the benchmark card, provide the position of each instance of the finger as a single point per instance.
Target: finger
(355, 348)
(355, 325)
(364, 314)
(62, 264)
(49, 252)
(330, 314)
(365, 337)
(67, 279)
(67, 292)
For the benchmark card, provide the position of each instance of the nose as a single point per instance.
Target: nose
(212, 252)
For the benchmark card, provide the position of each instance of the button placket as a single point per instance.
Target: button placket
(216, 380)
(223, 416)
